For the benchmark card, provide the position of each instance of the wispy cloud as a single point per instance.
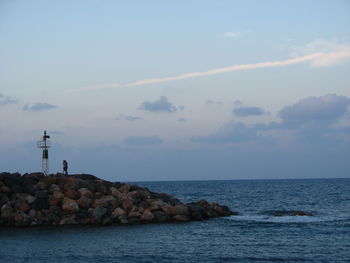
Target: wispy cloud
(5, 100)
(39, 107)
(317, 59)
(161, 105)
(231, 34)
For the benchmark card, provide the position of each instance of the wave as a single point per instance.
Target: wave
(284, 219)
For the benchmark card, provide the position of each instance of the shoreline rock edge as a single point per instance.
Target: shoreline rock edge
(82, 199)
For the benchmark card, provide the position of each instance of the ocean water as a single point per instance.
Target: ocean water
(257, 235)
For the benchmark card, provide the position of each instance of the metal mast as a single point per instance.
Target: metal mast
(45, 144)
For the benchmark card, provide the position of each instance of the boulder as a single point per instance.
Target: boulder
(7, 212)
(54, 188)
(22, 205)
(99, 212)
(85, 192)
(70, 220)
(72, 194)
(41, 200)
(30, 199)
(147, 216)
(118, 212)
(124, 188)
(223, 211)
(42, 185)
(117, 194)
(128, 204)
(105, 201)
(160, 216)
(21, 219)
(5, 189)
(181, 218)
(135, 212)
(84, 202)
(70, 205)
(58, 195)
(169, 210)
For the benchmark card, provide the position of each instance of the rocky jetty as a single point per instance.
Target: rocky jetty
(82, 199)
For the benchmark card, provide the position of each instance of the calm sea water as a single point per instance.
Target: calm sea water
(255, 236)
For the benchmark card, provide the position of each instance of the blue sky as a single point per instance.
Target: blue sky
(177, 90)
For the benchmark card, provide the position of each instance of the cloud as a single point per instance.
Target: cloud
(132, 118)
(39, 107)
(316, 59)
(310, 120)
(328, 107)
(143, 140)
(231, 34)
(161, 105)
(249, 111)
(181, 120)
(5, 100)
(333, 52)
(237, 102)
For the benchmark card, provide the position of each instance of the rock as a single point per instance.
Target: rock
(181, 218)
(35, 199)
(124, 188)
(42, 185)
(72, 194)
(70, 205)
(181, 209)
(135, 212)
(29, 188)
(58, 195)
(53, 201)
(99, 212)
(147, 216)
(105, 201)
(5, 189)
(169, 210)
(101, 188)
(118, 212)
(32, 213)
(301, 213)
(127, 204)
(21, 219)
(117, 194)
(54, 188)
(7, 212)
(22, 205)
(106, 222)
(84, 202)
(30, 199)
(86, 192)
(196, 212)
(41, 200)
(223, 211)
(160, 216)
(157, 205)
(68, 221)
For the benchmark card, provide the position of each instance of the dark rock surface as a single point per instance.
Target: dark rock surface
(82, 199)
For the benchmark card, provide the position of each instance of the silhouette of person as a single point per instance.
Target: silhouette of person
(65, 167)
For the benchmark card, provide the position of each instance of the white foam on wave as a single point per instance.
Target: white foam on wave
(282, 219)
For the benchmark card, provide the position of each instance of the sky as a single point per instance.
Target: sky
(177, 90)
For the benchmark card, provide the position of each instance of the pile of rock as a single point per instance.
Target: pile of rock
(34, 199)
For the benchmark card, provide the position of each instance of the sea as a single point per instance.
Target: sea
(265, 231)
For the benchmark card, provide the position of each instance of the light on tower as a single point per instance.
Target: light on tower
(45, 144)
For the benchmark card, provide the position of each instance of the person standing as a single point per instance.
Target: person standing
(65, 167)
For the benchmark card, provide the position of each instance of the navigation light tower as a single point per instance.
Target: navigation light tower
(45, 144)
